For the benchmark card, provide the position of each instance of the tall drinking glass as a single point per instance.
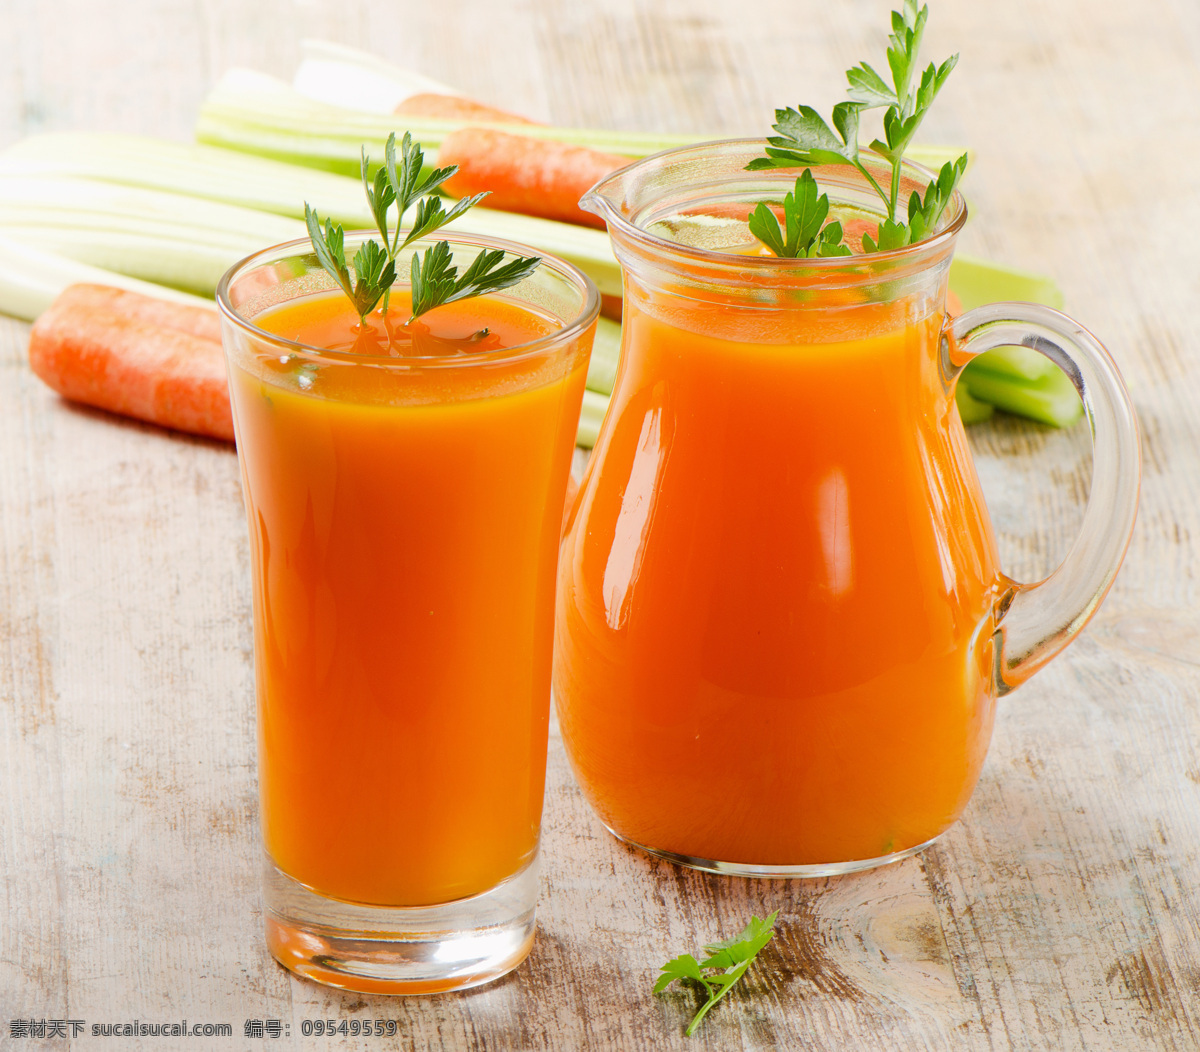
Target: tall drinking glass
(404, 516)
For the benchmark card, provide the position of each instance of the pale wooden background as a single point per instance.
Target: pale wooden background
(1062, 913)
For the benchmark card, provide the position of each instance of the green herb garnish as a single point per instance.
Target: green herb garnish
(434, 278)
(803, 138)
(804, 215)
(373, 277)
(725, 964)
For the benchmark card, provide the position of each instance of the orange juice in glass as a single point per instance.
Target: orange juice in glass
(782, 625)
(404, 502)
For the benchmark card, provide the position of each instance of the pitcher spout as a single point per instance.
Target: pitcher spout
(607, 197)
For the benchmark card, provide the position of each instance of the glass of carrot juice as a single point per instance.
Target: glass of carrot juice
(782, 625)
(404, 491)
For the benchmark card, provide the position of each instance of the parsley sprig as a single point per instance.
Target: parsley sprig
(725, 964)
(803, 138)
(400, 183)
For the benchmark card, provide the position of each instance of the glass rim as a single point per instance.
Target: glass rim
(943, 239)
(587, 314)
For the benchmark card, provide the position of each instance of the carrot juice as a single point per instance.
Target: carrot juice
(404, 492)
(773, 640)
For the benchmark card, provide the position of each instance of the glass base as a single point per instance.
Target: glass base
(400, 949)
(747, 869)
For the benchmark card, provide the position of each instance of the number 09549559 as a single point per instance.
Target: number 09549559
(348, 1027)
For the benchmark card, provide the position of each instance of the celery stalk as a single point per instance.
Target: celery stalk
(65, 202)
(1016, 379)
(589, 250)
(1017, 363)
(256, 113)
(1052, 399)
(978, 281)
(163, 260)
(170, 239)
(31, 279)
(191, 172)
(591, 416)
(602, 369)
(187, 168)
(970, 409)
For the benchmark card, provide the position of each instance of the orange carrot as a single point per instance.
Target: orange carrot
(610, 306)
(539, 177)
(197, 321)
(953, 304)
(455, 107)
(137, 356)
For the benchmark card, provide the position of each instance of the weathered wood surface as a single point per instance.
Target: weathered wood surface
(1063, 912)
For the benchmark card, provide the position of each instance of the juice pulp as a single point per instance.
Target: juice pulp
(404, 533)
(774, 600)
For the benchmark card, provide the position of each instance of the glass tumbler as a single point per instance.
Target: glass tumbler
(404, 516)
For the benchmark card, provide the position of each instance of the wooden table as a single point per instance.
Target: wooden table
(1061, 913)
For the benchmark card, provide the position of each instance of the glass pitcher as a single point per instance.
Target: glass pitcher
(782, 625)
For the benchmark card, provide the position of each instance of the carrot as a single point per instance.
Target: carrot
(538, 177)
(455, 107)
(137, 356)
(953, 304)
(610, 306)
(198, 321)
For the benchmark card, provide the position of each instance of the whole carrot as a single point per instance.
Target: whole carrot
(137, 356)
(537, 177)
(456, 107)
(197, 321)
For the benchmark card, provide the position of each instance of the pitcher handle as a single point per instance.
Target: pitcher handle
(1035, 621)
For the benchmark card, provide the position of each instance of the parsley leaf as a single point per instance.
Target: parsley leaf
(435, 280)
(868, 88)
(683, 967)
(908, 27)
(380, 195)
(329, 245)
(890, 235)
(923, 215)
(804, 217)
(375, 273)
(725, 964)
(805, 138)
